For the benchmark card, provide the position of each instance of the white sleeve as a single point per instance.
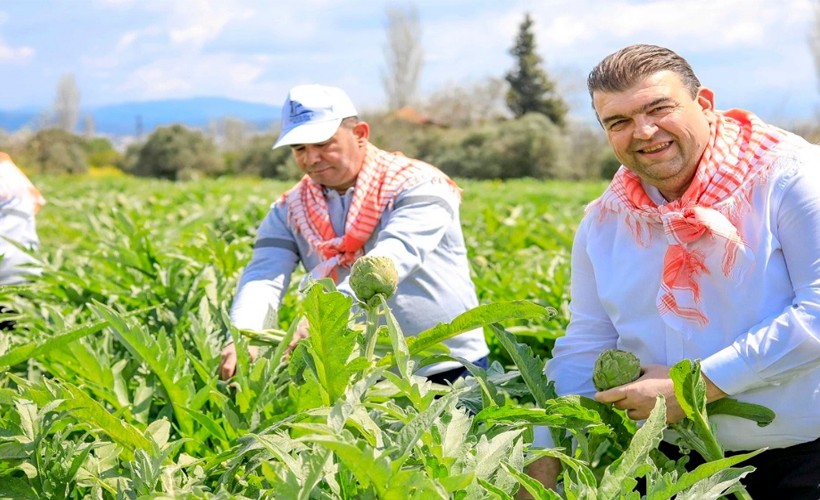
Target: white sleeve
(589, 332)
(774, 350)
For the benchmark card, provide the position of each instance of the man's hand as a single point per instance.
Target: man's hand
(227, 365)
(545, 470)
(638, 398)
(301, 333)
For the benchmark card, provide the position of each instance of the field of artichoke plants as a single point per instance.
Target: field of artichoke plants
(108, 385)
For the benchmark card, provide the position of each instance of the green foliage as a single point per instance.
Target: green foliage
(531, 90)
(498, 148)
(55, 151)
(109, 385)
(529, 146)
(592, 158)
(260, 160)
(695, 431)
(178, 153)
(101, 152)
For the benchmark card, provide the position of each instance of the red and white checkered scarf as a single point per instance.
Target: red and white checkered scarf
(729, 167)
(382, 177)
(15, 184)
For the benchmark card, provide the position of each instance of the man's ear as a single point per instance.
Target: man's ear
(706, 99)
(362, 131)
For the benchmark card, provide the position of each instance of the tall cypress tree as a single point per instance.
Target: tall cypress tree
(531, 90)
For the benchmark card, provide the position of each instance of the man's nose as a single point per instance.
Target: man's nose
(312, 154)
(645, 128)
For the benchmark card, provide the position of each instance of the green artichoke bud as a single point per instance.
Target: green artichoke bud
(371, 275)
(615, 367)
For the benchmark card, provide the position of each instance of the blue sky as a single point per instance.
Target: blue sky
(753, 53)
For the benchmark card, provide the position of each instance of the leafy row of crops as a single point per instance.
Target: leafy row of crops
(109, 386)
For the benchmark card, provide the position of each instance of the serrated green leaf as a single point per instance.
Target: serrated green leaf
(412, 431)
(533, 486)
(331, 341)
(477, 317)
(530, 366)
(87, 410)
(410, 484)
(705, 472)
(366, 464)
(35, 349)
(491, 452)
(158, 354)
(645, 440)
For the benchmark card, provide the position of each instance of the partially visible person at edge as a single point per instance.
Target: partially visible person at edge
(19, 203)
(705, 245)
(356, 199)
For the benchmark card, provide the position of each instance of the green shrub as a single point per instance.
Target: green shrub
(259, 159)
(101, 152)
(178, 153)
(530, 146)
(55, 151)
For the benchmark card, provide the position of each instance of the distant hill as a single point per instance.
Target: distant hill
(124, 119)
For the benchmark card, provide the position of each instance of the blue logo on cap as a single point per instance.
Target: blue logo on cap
(299, 113)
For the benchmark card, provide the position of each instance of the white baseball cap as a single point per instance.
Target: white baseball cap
(313, 113)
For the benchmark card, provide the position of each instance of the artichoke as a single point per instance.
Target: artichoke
(371, 275)
(615, 367)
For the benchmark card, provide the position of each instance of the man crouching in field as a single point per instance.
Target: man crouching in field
(356, 199)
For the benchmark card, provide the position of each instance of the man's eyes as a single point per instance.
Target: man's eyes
(616, 125)
(666, 108)
(301, 147)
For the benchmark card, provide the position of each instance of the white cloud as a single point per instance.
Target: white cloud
(152, 82)
(128, 39)
(133, 38)
(214, 75)
(681, 25)
(10, 54)
(196, 22)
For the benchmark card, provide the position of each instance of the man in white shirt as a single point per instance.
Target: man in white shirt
(356, 199)
(19, 203)
(706, 245)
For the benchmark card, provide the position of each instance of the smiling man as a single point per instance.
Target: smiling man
(706, 245)
(356, 199)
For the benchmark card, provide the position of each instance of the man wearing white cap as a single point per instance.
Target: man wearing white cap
(356, 199)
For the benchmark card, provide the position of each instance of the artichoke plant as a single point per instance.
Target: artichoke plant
(615, 367)
(371, 275)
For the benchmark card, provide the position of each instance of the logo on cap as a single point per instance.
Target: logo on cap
(299, 113)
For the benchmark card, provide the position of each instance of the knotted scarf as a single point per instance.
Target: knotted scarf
(711, 207)
(382, 177)
(15, 184)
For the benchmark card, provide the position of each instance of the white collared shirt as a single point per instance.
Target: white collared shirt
(19, 202)
(762, 341)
